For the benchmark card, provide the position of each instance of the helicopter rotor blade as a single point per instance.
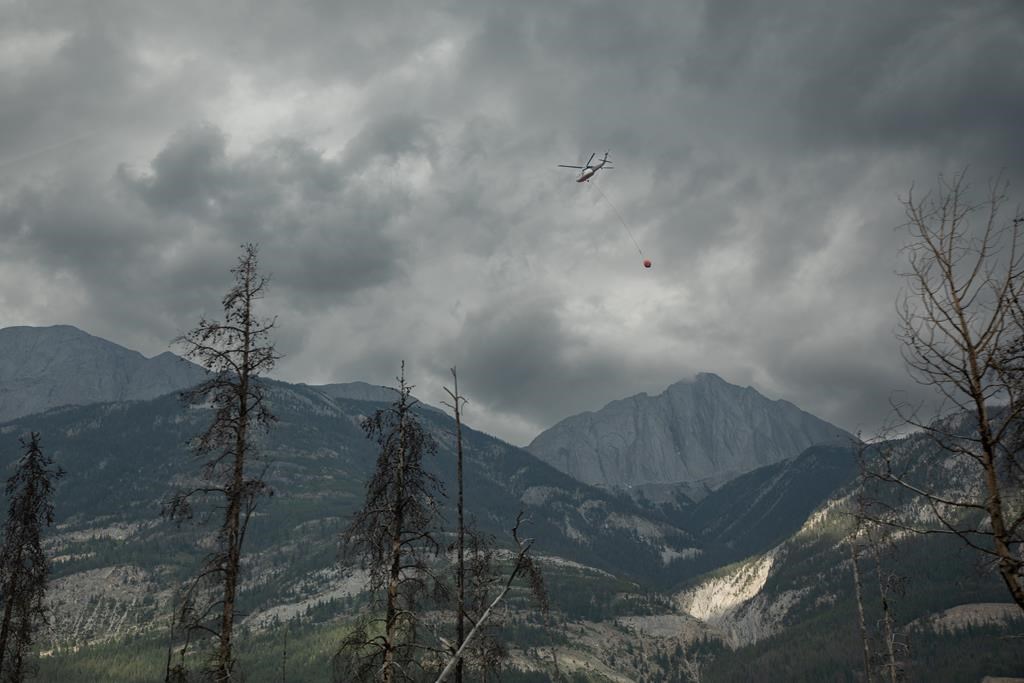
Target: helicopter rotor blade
(592, 155)
(567, 166)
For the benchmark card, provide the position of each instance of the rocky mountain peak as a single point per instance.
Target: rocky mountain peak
(44, 367)
(704, 429)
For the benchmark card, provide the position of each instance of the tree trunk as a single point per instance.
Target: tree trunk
(6, 628)
(1009, 566)
(858, 592)
(10, 595)
(886, 615)
(461, 573)
(225, 663)
(457, 657)
(395, 572)
(233, 522)
(24, 636)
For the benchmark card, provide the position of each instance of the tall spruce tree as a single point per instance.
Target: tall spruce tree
(24, 568)
(236, 352)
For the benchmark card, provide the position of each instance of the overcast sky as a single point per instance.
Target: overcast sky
(396, 162)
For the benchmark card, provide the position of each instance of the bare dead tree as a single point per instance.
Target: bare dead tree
(486, 654)
(961, 331)
(873, 519)
(479, 575)
(24, 568)
(522, 565)
(888, 584)
(858, 591)
(460, 533)
(393, 536)
(484, 657)
(863, 539)
(236, 352)
(860, 518)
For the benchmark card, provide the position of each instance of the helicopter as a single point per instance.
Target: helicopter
(587, 172)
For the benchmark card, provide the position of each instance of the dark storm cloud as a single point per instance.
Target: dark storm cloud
(189, 175)
(915, 75)
(145, 245)
(323, 232)
(396, 162)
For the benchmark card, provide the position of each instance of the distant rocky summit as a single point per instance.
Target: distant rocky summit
(704, 430)
(46, 367)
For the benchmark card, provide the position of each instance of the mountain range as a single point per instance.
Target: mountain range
(741, 583)
(47, 367)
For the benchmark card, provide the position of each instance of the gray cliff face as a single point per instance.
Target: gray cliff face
(45, 367)
(705, 430)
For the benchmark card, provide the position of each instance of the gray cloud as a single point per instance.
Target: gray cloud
(396, 162)
(322, 230)
(189, 175)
